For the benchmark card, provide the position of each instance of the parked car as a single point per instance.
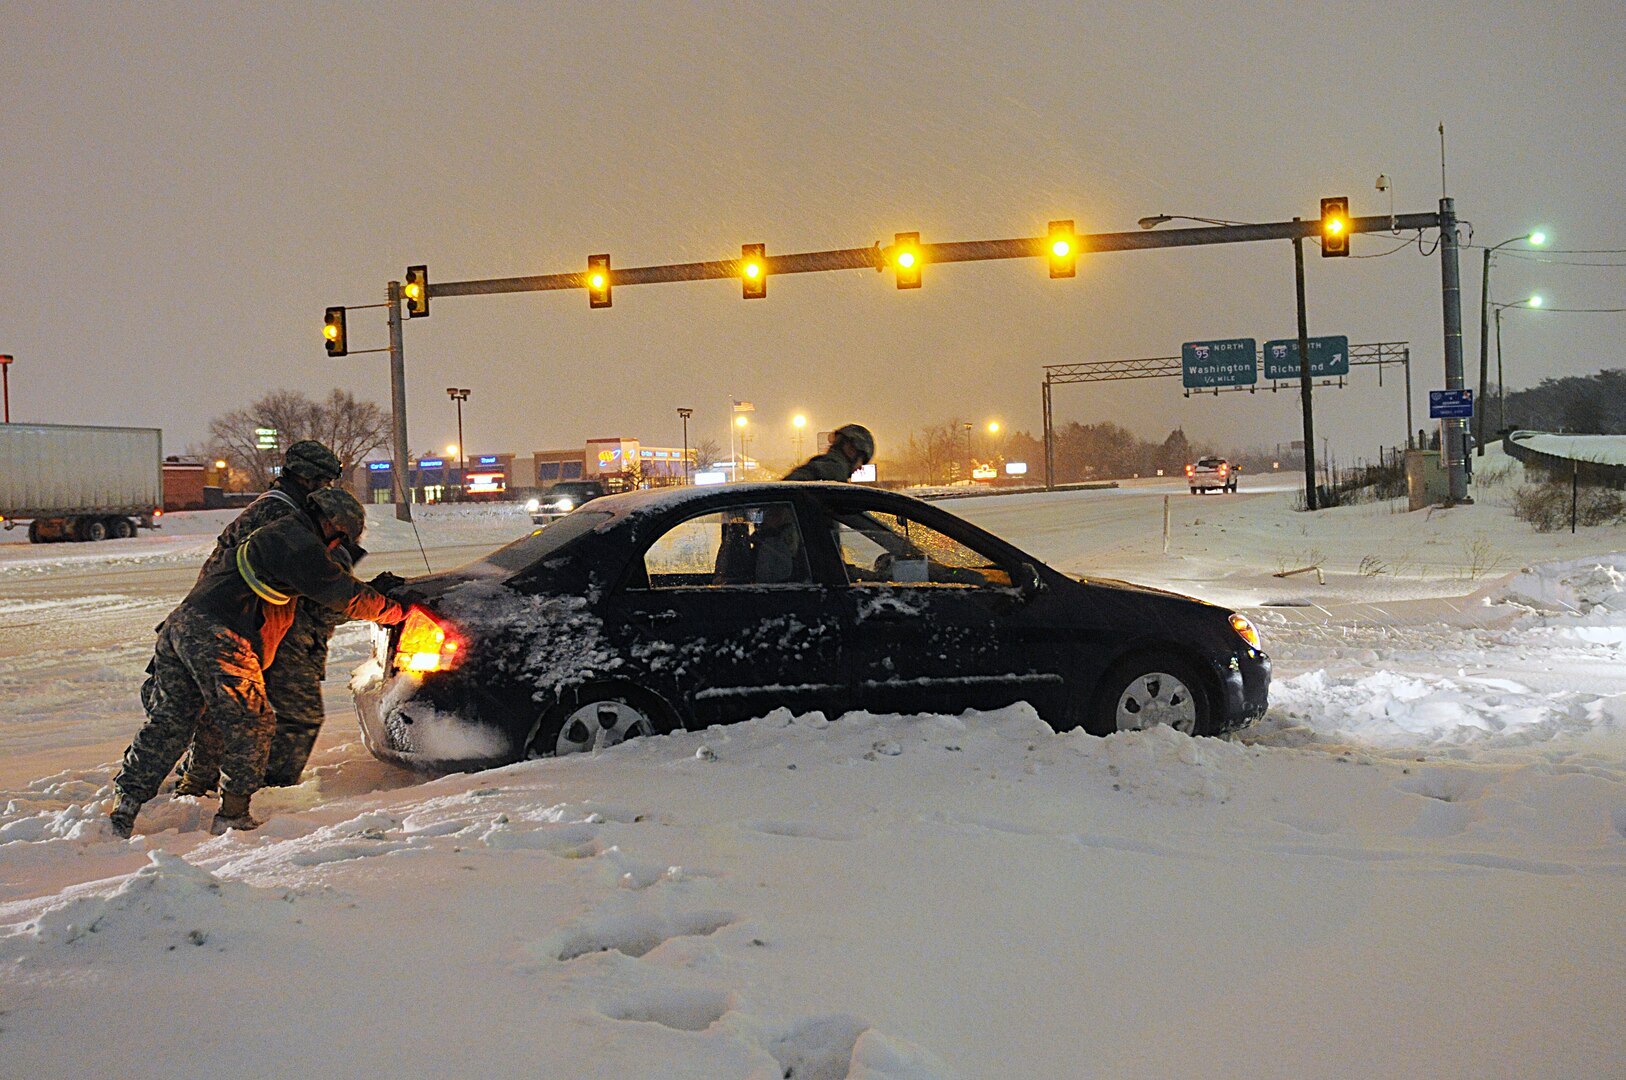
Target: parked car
(562, 498)
(1211, 473)
(653, 611)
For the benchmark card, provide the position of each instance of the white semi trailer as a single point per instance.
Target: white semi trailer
(71, 482)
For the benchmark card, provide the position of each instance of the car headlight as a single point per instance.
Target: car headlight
(564, 506)
(1245, 629)
(533, 505)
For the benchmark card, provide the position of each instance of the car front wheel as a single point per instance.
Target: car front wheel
(1156, 688)
(597, 721)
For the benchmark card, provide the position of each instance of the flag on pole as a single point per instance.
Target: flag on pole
(744, 406)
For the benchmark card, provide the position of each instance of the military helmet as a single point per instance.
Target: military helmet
(311, 463)
(860, 438)
(341, 508)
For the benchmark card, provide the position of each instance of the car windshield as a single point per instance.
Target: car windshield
(546, 541)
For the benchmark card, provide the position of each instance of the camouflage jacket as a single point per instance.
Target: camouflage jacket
(254, 592)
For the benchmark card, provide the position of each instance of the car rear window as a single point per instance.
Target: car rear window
(546, 541)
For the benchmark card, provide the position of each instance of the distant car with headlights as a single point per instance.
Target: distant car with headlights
(562, 498)
(1211, 474)
(677, 608)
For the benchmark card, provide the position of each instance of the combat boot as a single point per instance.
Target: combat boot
(193, 785)
(123, 815)
(233, 814)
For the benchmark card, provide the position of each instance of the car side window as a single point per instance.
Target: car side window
(885, 549)
(747, 545)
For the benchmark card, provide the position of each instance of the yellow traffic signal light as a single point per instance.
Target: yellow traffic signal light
(598, 281)
(754, 271)
(416, 291)
(1061, 248)
(906, 257)
(337, 342)
(1334, 227)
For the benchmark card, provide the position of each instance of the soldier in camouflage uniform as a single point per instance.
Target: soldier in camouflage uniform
(213, 650)
(851, 448)
(294, 682)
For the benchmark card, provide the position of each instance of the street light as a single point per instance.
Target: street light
(969, 463)
(1501, 387)
(1157, 219)
(684, 414)
(798, 422)
(459, 395)
(745, 440)
(1536, 239)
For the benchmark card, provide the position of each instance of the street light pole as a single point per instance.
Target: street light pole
(969, 464)
(684, 414)
(5, 380)
(1537, 239)
(459, 396)
(1501, 386)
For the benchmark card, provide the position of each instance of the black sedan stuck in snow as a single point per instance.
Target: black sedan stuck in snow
(661, 610)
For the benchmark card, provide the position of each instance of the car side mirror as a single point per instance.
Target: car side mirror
(1028, 581)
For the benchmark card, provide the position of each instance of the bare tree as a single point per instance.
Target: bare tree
(706, 452)
(932, 451)
(351, 428)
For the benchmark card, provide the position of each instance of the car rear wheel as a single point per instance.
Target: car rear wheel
(598, 720)
(1155, 688)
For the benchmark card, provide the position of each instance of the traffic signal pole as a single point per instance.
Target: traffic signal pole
(1305, 382)
(878, 258)
(403, 495)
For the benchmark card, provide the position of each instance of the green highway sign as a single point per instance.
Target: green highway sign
(1328, 356)
(1208, 364)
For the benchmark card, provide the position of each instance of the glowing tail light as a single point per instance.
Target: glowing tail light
(1190, 469)
(1224, 469)
(427, 644)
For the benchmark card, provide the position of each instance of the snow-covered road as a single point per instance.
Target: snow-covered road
(1413, 866)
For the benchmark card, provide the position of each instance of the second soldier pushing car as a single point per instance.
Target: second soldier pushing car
(214, 648)
(293, 683)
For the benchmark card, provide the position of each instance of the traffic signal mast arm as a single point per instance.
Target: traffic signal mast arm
(874, 258)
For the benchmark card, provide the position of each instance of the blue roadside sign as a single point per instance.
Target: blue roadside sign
(1328, 356)
(1450, 404)
(1228, 362)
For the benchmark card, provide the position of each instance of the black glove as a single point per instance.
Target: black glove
(387, 582)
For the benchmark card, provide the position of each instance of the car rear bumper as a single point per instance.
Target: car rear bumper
(401, 725)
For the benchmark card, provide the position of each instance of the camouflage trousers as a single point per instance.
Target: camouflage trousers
(293, 683)
(200, 671)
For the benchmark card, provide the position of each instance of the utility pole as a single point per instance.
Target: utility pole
(403, 496)
(5, 379)
(1305, 381)
(1454, 435)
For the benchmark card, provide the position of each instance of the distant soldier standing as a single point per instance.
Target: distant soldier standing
(851, 448)
(213, 650)
(294, 682)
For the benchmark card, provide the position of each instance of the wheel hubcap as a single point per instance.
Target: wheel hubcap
(599, 725)
(1157, 698)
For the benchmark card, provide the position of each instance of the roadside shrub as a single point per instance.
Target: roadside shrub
(1547, 506)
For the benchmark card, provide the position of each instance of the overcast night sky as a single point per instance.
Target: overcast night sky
(186, 187)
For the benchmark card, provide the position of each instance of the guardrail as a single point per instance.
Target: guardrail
(1587, 471)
